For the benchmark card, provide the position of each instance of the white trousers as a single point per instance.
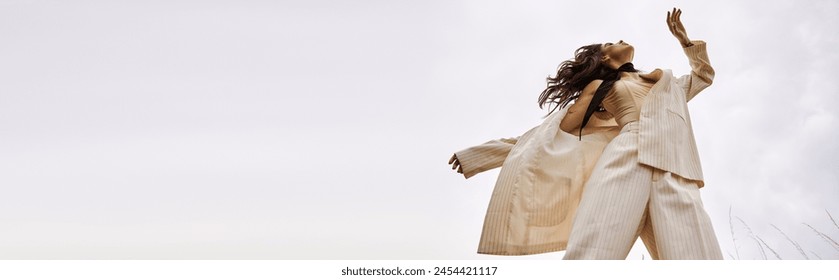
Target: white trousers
(623, 200)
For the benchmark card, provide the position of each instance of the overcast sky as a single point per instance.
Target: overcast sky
(322, 129)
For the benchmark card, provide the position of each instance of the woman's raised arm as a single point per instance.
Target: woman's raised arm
(674, 23)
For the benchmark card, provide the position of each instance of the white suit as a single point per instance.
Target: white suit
(539, 192)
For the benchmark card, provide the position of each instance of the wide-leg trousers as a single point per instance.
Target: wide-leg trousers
(623, 200)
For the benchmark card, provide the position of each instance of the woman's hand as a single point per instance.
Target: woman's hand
(674, 23)
(456, 164)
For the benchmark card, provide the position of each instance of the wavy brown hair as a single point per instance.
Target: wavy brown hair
(573, 75)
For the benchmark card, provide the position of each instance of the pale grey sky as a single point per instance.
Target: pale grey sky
(321, 129)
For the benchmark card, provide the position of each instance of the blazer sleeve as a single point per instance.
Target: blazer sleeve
(701, 75)
(486, 156)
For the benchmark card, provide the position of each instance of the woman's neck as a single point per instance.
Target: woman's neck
(629, 76)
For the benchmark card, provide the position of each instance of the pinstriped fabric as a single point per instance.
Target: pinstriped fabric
(608, 216)
(702, 74)
(679, 220)
(645, 231)
(666, 135)
(486, 156)
(539, 187)
(624, 200)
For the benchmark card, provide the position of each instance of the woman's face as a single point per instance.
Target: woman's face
(617, 53)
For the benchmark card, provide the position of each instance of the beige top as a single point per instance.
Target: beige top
(625, 99)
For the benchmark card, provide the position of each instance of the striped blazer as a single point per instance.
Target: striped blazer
(666, 138)
(539, 187)
(545, 169)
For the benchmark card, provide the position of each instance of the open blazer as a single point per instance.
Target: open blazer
(544, 170)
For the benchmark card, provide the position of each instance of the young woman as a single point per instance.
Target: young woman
(647, 180)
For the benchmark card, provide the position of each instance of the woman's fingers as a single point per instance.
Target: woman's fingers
(672, 15)
(456, 164)
(674, 22)
(670, 21)
(669, 26)
(678, 16)
(679, 26)
(677, 22)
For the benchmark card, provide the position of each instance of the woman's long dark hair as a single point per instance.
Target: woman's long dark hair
(573, 75)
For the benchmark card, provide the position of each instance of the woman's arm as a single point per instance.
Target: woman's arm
(702, 74)
(489, 155)
(577, 112)
(477, 159)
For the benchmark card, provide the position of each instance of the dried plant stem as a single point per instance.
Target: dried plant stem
(797, 247)
(831, 219)
(814, 253)
(752, 235)
(825, 237)
(733, 239)
(770, 248)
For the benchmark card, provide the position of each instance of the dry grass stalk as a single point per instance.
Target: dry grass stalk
(770, 248)
(825, 237)
(752, 235)
(733, 239)
(831, 219)
(814, 253)
(797, 247)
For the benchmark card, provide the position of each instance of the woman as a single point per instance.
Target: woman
(647, 180)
